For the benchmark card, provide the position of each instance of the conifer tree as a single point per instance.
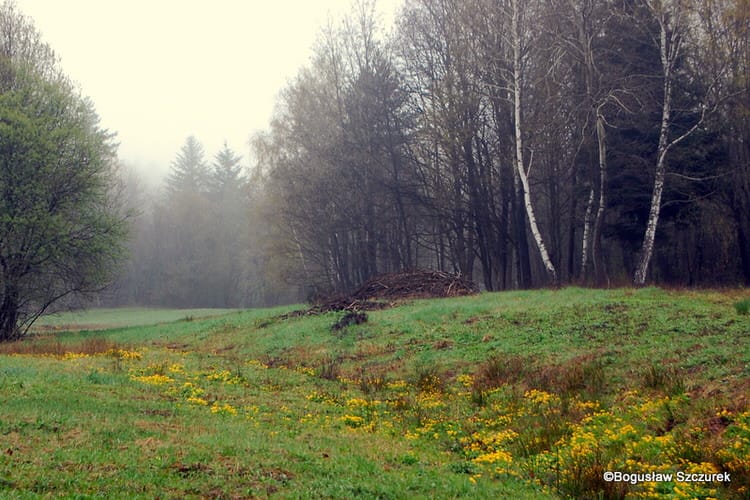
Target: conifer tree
(189, 172)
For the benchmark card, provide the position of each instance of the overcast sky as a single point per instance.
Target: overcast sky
(160, 70)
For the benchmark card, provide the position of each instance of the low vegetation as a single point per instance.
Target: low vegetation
(118, 317)
(509, 395)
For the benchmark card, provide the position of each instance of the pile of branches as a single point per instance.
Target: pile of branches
(415, 284)
(384, 290)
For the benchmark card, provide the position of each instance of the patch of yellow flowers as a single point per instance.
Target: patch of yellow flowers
(506, 434)
(223, 409)
(155, 379)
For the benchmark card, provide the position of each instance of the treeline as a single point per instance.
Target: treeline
(519, 143)
(194, 241)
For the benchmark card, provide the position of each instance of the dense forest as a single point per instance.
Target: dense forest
(519, 143)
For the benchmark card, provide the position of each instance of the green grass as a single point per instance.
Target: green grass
(106, 318)
(510, 395)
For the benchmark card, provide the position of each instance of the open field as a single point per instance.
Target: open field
(102, 319)
(510, 395)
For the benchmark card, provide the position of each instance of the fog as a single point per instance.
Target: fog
(161, 71)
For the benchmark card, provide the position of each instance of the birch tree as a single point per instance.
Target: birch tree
(518, 48)
(672, 19)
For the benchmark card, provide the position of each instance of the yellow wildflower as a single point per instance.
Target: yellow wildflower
(224, 409)
(74, 355)
(305, 370)
(155, 379)
(466, 380)
(357, 403)
(176, 368)
(494, 457)
(123, 354)
(397, 385)
(352, 420)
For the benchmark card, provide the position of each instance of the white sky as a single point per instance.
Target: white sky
(160, 70)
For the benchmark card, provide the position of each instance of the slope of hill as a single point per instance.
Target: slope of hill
(508, 395)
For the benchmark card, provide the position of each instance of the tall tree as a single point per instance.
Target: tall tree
(226, 174)
(61, 232)
(672, 17)
(22, 46)
(229, 195)
(519, 46)
(189, 172)
(340, 174)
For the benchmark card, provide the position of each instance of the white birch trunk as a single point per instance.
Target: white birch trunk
(668, 52)
(672, 23)
(299, 250)
(586, 234)
(522, 173)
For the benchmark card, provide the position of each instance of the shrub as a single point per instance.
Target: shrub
(427, 378)
(330, 368)
(742, 307)
(501, 369)
(667, 379)
(371, 382)
(581, 374)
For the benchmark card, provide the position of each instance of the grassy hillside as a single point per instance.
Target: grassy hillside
(509, 395)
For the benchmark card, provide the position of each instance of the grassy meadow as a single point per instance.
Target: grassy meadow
(531, 394)
(118, 317)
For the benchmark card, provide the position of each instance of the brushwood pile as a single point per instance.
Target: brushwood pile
(385, 290)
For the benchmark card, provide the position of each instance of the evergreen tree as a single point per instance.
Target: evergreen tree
(189, 171)
(226, 176)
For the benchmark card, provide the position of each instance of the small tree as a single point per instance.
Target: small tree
(60, 232)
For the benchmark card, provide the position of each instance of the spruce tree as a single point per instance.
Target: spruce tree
(189, 172)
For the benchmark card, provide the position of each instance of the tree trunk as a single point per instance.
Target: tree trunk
(596, 241)
(668, 54)
(520, 166)
(9, 316)
(586, 235)
(523, 260)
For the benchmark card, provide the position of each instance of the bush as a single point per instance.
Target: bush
(329, 368)
(742, 307)
(427, 378)
(664, 378)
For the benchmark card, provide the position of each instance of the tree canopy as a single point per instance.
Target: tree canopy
(61, 231)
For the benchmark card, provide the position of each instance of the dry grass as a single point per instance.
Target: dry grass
(49, 346)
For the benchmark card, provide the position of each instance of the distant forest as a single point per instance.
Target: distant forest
(520, 143)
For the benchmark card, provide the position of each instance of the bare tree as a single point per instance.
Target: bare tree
(672, 17)
(519, 39)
